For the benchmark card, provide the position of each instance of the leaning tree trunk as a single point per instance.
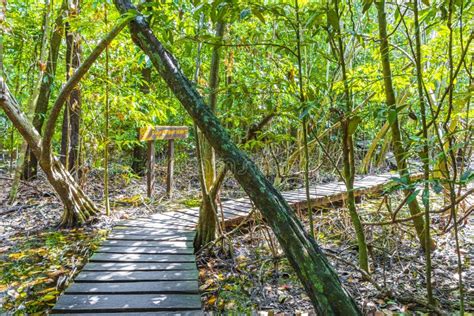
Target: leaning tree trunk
(398, 148)
(311, 265)
(77, 206)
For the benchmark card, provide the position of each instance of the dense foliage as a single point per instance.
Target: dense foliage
(316, 69)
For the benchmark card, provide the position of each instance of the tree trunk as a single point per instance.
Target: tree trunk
(30, 168)
(398, 148)
(23, 154)
(139, 151)
(348, 148)
(425, 152)
(207, 224)
(78, 208)
(206, 229)
(72, 112)
(316, 274)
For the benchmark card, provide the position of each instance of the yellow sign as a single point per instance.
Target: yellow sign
(163, 132)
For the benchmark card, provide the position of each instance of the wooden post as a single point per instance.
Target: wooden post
(150, 173)
(169, 179)
(169, 133)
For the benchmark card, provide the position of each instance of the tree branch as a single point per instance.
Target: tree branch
(73, 81)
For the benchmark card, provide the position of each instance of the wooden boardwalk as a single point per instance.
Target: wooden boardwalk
(147, 266)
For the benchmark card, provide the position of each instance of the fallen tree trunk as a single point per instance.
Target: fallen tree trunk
(311, 265)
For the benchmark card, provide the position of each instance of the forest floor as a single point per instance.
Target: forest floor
(38, 260)
(258, 277)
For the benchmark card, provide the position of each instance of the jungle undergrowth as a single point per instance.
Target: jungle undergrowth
(38, 267)
(259, 277)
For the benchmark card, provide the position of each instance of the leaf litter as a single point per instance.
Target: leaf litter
(253, 274)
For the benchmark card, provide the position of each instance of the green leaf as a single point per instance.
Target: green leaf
(259, 15)
(314, 19)
(413, 196)
(437, 187)
(426, 2)
(392, 115)
(467, 176)
(245, 13)
(333, 20)
(367, 4)
(401, 180)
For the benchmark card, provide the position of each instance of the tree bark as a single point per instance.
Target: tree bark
(206, 229)
(72, 83)
(424, 154)
(139, 151)
(78, 208)
(23, 155)
(72, 113)
(316, 274)
(348, 148)
(30, 168)
(398, 148)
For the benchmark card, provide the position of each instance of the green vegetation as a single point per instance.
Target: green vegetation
(42, 265)
(282, 94)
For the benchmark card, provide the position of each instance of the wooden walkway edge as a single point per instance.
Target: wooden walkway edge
(147, 266)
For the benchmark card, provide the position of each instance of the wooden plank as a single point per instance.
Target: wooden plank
(146, 250)
(156, 230)
(155, 287)
(189, 211)
(231, 211)
(178, 216)
(156, 224)
(239, 209)
(319, 190)
(170, 220)
(290, 198)
(146, 243)
(168, 216)
(115, 257)
(127, 303)
(138, 266)
(150, 224)
(163, 132)
(122, 276)
(340, 187)
(153, 231)
(302, 195)
(244, 201)
(239, 203)
(326, 191)
(138, 237)
(169, 313)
